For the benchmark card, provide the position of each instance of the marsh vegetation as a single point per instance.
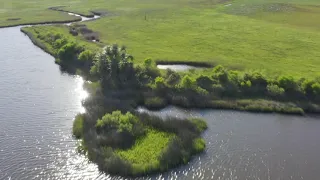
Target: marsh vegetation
(230, 39)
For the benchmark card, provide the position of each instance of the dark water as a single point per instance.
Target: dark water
(37, 106)
(38, 103)
(253, 146)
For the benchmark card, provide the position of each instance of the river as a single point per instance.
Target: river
(38, 103)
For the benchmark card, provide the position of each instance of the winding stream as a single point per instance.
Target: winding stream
(38, 103)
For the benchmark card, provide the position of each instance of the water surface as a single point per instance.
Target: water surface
(249, 146)
(37, 106)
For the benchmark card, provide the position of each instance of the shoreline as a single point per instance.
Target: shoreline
(77, 19)
(193, 101)
(230, 104)
(242, 105)
(42, 23)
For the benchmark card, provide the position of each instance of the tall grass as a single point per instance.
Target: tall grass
(145, 153)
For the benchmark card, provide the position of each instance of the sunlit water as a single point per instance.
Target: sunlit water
(38, 104)
(37, 107)
(177, 67)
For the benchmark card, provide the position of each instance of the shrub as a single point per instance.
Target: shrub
(218, 89)
(246, 86)
(256, 78)
(199, 145)
(160, 83)
(316, 88)
(201, 91)
(188, 83)
(200, 124)
(77, 128)
(148, 63)
(220, 73)
(86, 55)
(60, 42)
(119, 130)
(307, 87)
(69, 51)
(204, 82)
(173, 78)
(122, 122)
(287, 83)
(274, 90)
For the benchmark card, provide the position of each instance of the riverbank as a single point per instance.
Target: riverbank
(111, 120)
(120, 86)
(131, 132)
(118, 138)
(264, 102)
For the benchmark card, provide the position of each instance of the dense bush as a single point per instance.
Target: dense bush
(172, 78)
(288, 84)
(121, 129)
(77, 128)
(205, 82)
(188, 83)
(69, 52)
(86, 55)
(199, 145)
(274, 90)
(136, 144)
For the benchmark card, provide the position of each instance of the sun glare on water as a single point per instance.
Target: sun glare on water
(82, 93)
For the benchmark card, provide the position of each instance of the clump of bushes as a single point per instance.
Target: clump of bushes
(77, 128)
(133, 144)
(200, 90)
(70, 55)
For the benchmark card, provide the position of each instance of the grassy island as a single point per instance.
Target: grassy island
(260, 56)
(137, 144)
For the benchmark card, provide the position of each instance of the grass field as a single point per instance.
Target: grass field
(60, 29)
(278, 37)
(147, 151)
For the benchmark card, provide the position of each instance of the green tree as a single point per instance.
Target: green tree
(188, 83)
(205, 82)
(316, 89)
(86, 55)
(287, 83)
(275, 90)
(113, 65)
(69, 51)
(257, 79)
(160, 83)
(148, 63)
(220, 73)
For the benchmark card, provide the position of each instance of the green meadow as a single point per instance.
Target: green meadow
(277, 37)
